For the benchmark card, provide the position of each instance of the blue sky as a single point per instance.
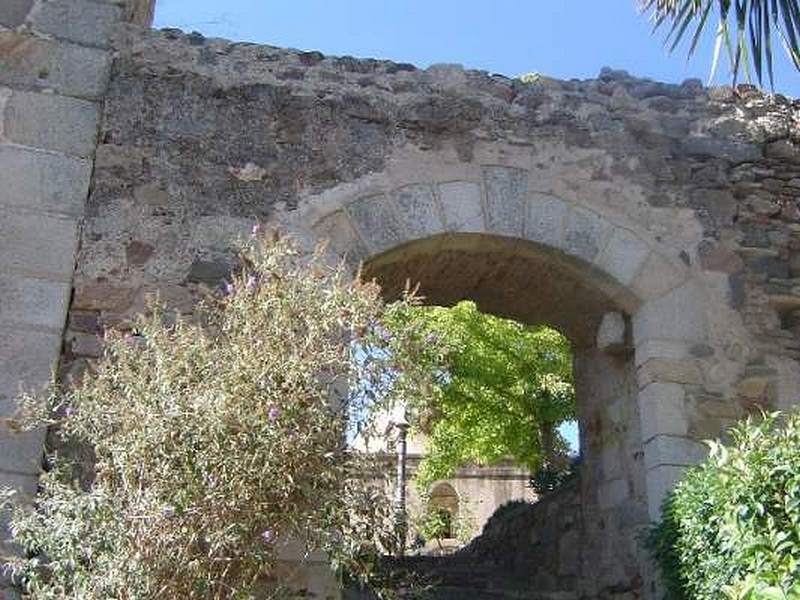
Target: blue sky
(560, 38)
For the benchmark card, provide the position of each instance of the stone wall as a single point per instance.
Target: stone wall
(672, 206)
(55, 61)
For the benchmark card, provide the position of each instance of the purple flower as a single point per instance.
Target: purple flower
(68, 411)
(251, 283)
(228, 287)
(273, 413)
(267, 535)
(256, 230)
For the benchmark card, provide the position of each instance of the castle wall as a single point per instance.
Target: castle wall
(674, 206)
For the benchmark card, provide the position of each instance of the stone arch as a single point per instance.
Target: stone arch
(617, 266)
(443, 497)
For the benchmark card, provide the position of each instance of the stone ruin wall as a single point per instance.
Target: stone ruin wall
(685, 197)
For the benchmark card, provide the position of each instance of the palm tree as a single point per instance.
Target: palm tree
(745, 28)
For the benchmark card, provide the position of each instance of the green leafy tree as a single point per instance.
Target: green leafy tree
(217, 441)
(747, 30)
(505, 390)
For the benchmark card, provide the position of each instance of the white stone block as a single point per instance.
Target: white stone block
(659, 482)
(39, 245)
(546, 216)
(623, 256)
(662, 410)
(43, 180)
(506, 191)
(677, 315)
(33, 302)
(672, 450)
(418, 210)
(586, 234)
(377, 222)
(462, 207)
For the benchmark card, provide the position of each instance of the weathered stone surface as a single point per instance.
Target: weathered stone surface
(13, 12)
(210, 272)
(656, 277)
(34, 62)
(28, 358)
(586, 234)
(79, 21)
(462, 206)
(624, 256)
(664, 370)
(21, 452)
(377, 222)
(38, 245)
(546, 219)
(43, 180)
(418, 210)
(660, 481)
(612, 493)
(678, 315)
(33, 301)
(673, 450)
(611, 335)
(506, 190)
(101, 295)
(663, 411)
(51, 122)
(337, 230)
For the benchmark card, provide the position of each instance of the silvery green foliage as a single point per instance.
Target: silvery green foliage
(731, 529)
(219, 439)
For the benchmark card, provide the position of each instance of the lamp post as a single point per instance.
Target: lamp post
(400, 423)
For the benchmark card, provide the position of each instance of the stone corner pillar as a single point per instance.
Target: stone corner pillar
(55, 63)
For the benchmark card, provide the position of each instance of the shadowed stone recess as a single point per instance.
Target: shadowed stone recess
(514, 279)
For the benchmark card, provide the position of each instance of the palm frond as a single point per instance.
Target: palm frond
(745, 28)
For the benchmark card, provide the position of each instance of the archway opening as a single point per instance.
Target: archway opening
(585, 539)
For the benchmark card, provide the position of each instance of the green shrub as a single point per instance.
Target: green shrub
(731, 528)
(218, 440)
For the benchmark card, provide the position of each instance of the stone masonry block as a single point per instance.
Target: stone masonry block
(546, 215)
(624, 255)
(669, 370)
(662, 410)
(64, 68)
(28, 358)
(82, 22)
(13, 12)
(672, 450)
(51, 122)
(656, 278)
(342, 240)
(38, 245)
(461, 205)
(377, 222)
(506, 190)
(33, 301)
(43, 180)
(659, 481)
(654, 348)
(586, 234)
(418, 210)
(21, 452)
(678, 315)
